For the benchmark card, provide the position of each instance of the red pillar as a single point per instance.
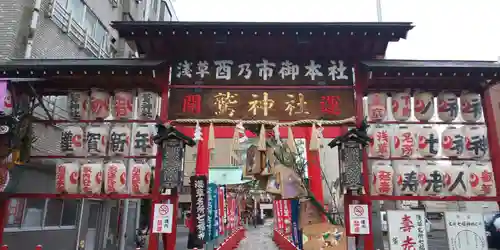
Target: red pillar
(314, 170)
(491, 106)
(4, 209)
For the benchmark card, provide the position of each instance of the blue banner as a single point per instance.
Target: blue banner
(211, 212)
(216, 214)
(296, 232)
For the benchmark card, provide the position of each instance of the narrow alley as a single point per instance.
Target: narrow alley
(260, 238)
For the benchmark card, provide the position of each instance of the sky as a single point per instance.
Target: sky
(444, 29)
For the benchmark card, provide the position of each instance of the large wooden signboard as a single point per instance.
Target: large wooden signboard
(283, 105)
(262, 72)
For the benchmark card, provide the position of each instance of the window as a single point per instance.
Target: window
(76, 8)
(42, 213)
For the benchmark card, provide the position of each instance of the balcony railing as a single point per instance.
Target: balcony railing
(64, 20)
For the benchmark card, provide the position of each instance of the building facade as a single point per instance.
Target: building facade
(66, 29)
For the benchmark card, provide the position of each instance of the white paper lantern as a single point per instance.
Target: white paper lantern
(471, 108)
(404, 142)
(115, 178)
(123, 105)
(99, 104)
(383, 177)
(423, 106)
(78, 105)
(67, 176)
(8, 104)
(147, 105)
(447, 106)
(481, 179)
(72, 141)
(457, 180)
(401, 106)
(453, 142)
(428, 142)
(143, 141)
(119, 141)
(140, 178)
(97, 140)
(476, 142)
(431, 179)
(407, 182)
(377, 106)
(380, 146)
(91, 178)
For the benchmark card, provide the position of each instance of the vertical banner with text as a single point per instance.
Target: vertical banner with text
(199, 206)
(221, 210)
(296, 231)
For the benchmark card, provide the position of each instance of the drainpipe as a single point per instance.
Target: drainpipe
(31, 34)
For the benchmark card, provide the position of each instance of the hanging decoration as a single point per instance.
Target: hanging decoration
(119, 140)
(8, 105)
(147, 105)
(211, 137)
(380, 143)
(407, 179)
(270, 161)
(277, 135)
(140, 178)
(78, 105)
(423, 103)
(428, 141)
(404, 142)
(457, 180)
(383, 176)
(72, 141)
(471, 108)
(198, 136)
(67, 176)
(99, 104)
(314, 142)
(447, 106)
(123, 105)
(291, 184)
(476, 142)
(377, 106)
(401, 106)
(97, 140)
(261, 144)
(253, 162)
(290, 142)
(453, 142)
(143, 140)
(91, 178)
(115, 178)
(350, 166)
(431, 179)
(481, 179)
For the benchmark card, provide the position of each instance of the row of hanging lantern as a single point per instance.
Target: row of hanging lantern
(432, 178)
(98, 177)
(448, 108)
(101, 140)
(99, 104)
(413, 141)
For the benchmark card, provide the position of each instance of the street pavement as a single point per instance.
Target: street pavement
(260, 238)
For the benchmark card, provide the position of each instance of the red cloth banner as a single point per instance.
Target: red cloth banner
(221, 210)
(287, 217)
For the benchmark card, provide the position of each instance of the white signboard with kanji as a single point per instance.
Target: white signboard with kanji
(465, 231)
(163, 217)
(407, 230)
(358, 219)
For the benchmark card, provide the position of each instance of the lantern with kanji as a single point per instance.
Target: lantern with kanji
(8, 104)
(481, 179)
(401, 106)
(453, 142)
(447, 106)
(377, 106)
(383, 176)
(123, 105)
(119, 140)
(404, 142)
(67, 177)
(97, 140)
(147, 105)
(406, 179)
(476, 142)
(471, 108)
(143, 140)
(431, 179)
(457, 180)
(78, 105)
(428, 141)
(99, 104)
(380, 145)
(91, 178)
(115, 178)
(423, 104)
(139, 178)
(72, 141)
